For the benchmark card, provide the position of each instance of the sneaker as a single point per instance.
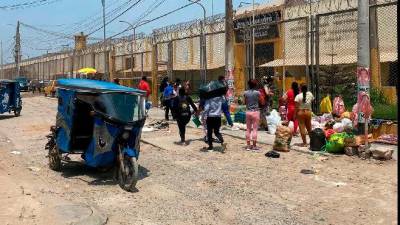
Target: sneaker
(248, 148)
(210, 149)
(223, 147)
(255, 148)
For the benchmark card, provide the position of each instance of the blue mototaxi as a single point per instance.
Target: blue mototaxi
(10, 98)
(102, 121)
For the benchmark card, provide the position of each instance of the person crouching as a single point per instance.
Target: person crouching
(181, 107)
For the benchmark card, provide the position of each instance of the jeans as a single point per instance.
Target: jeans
(167, 105)
(213, 125)
(252, 120)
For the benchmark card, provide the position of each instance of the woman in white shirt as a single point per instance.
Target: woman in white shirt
(304, 112)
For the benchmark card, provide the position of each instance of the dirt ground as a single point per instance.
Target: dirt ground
(185, 185)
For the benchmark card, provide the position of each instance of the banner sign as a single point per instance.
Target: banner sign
(267, 28)
(230, 96)
(363, 87)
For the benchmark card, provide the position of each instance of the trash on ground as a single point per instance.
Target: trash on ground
(156, 125)
(148, 129)
(272, 154)
(16, 152)
(34, 169)
(382, 153)
(307, 171)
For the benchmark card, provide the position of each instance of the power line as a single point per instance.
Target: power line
(95, 20)
(116, 17)
(156, 18)
(30, 4)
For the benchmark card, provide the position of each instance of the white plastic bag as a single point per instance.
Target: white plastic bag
(315, 124)
(338, 127)
(347, 123)
(291, 126)
(273, 120)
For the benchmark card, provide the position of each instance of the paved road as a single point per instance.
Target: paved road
(185, 185)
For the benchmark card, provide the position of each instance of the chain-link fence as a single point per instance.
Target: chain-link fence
(336, 55)
(386, 22)
(295, 58)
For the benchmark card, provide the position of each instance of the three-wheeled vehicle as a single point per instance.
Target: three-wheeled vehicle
(10, 98)
(103, 122)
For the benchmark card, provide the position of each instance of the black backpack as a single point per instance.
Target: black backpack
(317, 139)
(183, 107)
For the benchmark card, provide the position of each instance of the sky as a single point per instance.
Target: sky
(68, 17)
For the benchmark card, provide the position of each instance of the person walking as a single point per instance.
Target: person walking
(291, 105)
(168, 96)
(163, 85)
(251, 98)
(213, 111)
(181, 107)
(188, 87)
(303, 112)
(144, 86)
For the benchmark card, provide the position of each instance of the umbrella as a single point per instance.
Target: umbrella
(87, 70)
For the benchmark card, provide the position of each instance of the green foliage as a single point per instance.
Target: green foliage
(378, 97)
(384, 111)
(338, 80)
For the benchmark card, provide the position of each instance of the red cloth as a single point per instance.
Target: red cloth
(329, 132)
(291, 104)
(144, 86)
(290, 117)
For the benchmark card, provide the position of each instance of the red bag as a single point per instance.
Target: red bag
(262, 98)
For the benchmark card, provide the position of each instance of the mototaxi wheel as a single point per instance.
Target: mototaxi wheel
(54, 158)
(17, 112)
(128, 180)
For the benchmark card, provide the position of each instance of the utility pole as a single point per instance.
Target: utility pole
(106, 75)
(363, 59)
(203, 43)
(253, 48)
(18, 50)
(133, 45)
(1, 60)
(229, 54)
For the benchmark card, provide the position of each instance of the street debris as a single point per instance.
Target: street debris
(308, 171)
(351, 151)
(16, 152)
(147, 129)
(272, 154)
(158, 125)
(382, 153)
(34, 169)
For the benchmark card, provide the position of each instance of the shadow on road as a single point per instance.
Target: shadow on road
(5, 117)
(95, 176)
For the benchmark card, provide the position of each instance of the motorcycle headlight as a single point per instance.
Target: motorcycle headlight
(125, 135)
